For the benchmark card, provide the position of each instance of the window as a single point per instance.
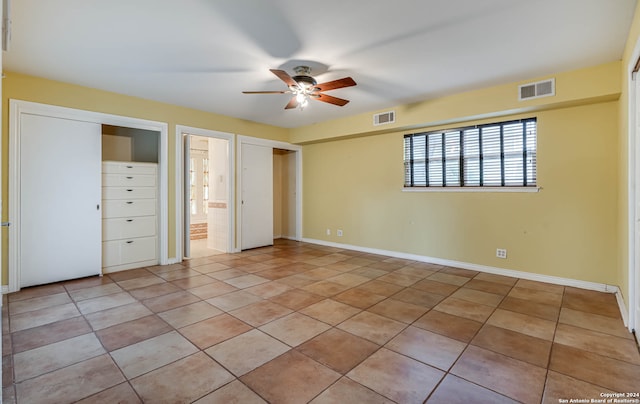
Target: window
(493, 155)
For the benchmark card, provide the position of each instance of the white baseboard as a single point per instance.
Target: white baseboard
(173, 260)
(556, 280)
(5, 289)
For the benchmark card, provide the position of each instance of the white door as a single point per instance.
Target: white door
(60, 197)
(257, 196)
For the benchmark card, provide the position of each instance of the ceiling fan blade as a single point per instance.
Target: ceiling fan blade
(293, 103)
(332, 85)
(265, 92)
(284, 76)
(331, 100)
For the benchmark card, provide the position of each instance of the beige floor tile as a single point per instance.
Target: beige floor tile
(269, 289)
(141, 282)
(349, 279)
(454, 390)
(178, 274)
(591, 301)
(603, 344)
(536, 295)
(433, 349)
(419, 297)
(438, 288)
(246, 281)
(448, 278)
(400, 279)
(131, 274)
(330, 311)
(514, 344)
(372, 327)
(43, 316)
(541, 286)
(35, 362)
(95, 291)
(595, 369)
(381, 288)
(154, 291)
(325, 288)
(562, 387)
(290, 378)
(516, 379)
(212, 290)
(529, 325)
(233, 393)
(234, 300)
(346, 390)
(47, 334)
(294, 329)
(170, 301)
(246, 352)
(88, 282)
(71, 383)
(189, 314)
(260, 313)
(104, 302)
(193, 281)
(594, 322)
(543, 311)
(397, 377)
(398, 310)
(182, 381)
(368, 272)
(489, 287)
(131, 332)
(152, 353)
(117, 315)
(296, 299)
(121, 394)
(214, 330)
(464, 308)
(478, 296)
(358, 298)
(338, 350)
(37, 303)
(36, 291)
(505, 280)
(449, 325)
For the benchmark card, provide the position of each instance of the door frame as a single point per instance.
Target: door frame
(19, 107)
(242, 140)
(181, 232)
(633, 188)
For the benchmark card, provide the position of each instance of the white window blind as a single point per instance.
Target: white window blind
(494, 155)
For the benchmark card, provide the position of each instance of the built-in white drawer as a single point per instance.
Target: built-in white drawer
(113, 208)
(123, 227)
(128, 180)
(128, 192)
(119, 252)
(122, 167)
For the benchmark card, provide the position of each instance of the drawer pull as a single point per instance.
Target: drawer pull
(130, 241)
(129, 220)
(129, 190)
(129, 202)
(129, 166)
(129, 178)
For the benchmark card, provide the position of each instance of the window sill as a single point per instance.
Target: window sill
(472, 189)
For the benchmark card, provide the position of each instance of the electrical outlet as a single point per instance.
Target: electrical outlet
(328, 232)
(501, 253)
(339, 233)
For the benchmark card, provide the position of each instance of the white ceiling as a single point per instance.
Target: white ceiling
(203, 53)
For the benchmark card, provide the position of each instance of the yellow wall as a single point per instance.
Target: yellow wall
(29, 88)
(568, 229)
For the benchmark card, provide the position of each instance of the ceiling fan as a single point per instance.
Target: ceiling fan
(304, 87)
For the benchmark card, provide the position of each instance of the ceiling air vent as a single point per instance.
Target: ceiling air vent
(384, 118)
(545, 88)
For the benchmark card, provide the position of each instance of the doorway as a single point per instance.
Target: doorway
(270, 184)
(207, 192)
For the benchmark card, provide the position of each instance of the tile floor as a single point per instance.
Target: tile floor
(297, 323)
